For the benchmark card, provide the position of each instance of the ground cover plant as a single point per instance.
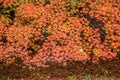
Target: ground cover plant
(41, 33)
(36, 34)
(58, 31)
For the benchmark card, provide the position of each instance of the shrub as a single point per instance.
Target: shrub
(55, 32)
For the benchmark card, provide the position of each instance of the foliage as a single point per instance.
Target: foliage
(89, 77)
(72, 78)
(58, 32)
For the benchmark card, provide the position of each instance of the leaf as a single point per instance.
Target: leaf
(89, 77)
(72, 78)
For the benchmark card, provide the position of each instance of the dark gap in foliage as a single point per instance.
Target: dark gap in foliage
(102, 35)
(46, 34)
(82, 34)
(4, 39)
(80, 8)
(68, 34)
(8, 12)
(95, 23)
(12, 15)
(80, 12)
(46, 2)
(1, 9)
(87, 5)
(92, 54)
(34, 48)
(39, 42)
(58, 43)
(1, 2)
(18, 61)
(33, 51)
(118, 55)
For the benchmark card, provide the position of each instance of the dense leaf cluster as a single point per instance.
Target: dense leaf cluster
(58, 31)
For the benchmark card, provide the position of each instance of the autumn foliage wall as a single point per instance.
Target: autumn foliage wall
(36, 34)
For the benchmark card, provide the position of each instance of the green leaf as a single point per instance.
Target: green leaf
(72, 78)
(89, 77)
